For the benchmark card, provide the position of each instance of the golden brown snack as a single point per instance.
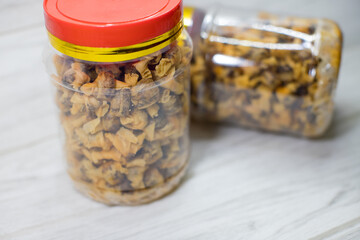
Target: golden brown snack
(126, 125)
(276, 74)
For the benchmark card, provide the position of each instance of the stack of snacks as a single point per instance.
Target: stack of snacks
(271, 73)
(126, 125)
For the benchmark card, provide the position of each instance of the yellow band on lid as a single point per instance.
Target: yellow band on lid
(188, 15)
(96, 54)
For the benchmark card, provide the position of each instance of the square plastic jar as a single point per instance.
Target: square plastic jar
(123, 100)
(267, 72)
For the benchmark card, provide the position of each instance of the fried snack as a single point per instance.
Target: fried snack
(277, 74)
(126, 125)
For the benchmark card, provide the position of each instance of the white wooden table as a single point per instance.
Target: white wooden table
(241, 184)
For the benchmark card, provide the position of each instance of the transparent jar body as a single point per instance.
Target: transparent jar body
(126, 123)
(268, 72)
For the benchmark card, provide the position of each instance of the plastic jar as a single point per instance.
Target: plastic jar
(122, 77)
(264, 71)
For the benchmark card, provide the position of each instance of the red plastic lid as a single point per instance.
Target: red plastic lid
(110, 23)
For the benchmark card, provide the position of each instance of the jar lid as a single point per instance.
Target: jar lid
(111, 23)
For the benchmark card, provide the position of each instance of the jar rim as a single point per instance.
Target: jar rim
(117, 54)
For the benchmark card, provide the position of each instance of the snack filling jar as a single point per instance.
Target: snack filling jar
(264, 71)
(121, 71)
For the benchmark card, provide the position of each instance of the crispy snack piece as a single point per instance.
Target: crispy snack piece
(280, 79)
(121, 122)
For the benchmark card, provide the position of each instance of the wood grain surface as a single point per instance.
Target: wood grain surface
(242, 184)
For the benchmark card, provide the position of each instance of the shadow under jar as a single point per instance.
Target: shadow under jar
(125, 118)
(264, 71)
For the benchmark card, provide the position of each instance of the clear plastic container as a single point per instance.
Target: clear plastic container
(264, 71)
(126, 122)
